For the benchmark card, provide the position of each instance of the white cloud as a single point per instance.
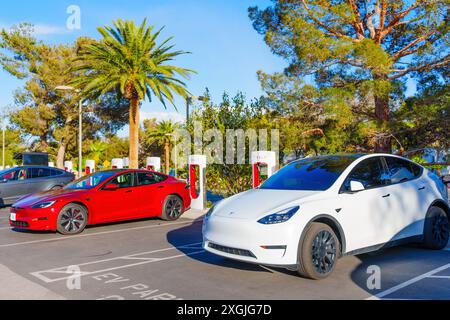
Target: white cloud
(43, 30)
(159, 116)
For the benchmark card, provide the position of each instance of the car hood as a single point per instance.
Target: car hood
(255, 204)
(51, 195)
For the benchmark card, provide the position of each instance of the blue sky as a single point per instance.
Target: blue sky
(226, 51)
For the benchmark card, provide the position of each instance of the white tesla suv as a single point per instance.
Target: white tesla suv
(313, 211)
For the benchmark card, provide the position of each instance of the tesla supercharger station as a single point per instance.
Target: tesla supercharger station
(197, 181)
(154, 164)
(262, 160)
(117, 163)
(126, 162)
(68, 166)
(90, 166)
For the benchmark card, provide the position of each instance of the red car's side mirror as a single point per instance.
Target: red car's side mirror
(111, 187)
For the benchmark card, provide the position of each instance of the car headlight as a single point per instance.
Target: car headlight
(210, 212)
(280, 217)
(43, 205)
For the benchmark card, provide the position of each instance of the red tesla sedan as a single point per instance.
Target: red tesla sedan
(102, 197)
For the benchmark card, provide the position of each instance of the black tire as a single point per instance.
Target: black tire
(72, 219)
(319, 252)
(437, 229)
(173, 208)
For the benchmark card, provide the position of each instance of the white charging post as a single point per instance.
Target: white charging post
(90, 167)
(154, 164)
(263, 160)
(197, 181)
(126, 162)
(51, 164)
(68, 166)
(117, 163)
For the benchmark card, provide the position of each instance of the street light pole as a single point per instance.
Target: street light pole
(3, 145)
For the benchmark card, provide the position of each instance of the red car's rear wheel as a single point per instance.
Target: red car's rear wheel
(72, 219)
(173, 208)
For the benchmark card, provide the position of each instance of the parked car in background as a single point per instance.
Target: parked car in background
(18, 182)
(313, 211)
(103, 197)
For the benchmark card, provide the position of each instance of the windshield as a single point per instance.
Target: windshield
(90, 181)
(313, 174)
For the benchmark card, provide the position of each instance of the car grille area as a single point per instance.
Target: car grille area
(20, 224)
(233, 251)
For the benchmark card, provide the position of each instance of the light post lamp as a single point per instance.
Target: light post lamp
(189, 101)
(176, 153)
(80, 127)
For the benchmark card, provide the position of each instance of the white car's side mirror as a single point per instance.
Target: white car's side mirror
(356, 186)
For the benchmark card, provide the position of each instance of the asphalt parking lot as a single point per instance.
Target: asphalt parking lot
(156, 260)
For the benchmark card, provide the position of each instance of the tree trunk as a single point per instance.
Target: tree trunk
(383, 143)
(134, 133)
(60, 156)
(167, 156)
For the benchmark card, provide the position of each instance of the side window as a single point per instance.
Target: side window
(20, 174)
(124, 180)
(39, 173)
(401, 170)
(9, 176)
(370, 173)
(55, 173)
(146, 178)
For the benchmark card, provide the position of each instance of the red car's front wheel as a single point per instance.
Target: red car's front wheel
(72, 219)
(173, 208)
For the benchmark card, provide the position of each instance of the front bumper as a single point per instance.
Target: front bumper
(34, 219)
(249, 241)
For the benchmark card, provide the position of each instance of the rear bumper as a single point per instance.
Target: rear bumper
(34, 219)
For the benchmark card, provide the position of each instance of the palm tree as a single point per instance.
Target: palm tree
(163, 135)
(129, 61)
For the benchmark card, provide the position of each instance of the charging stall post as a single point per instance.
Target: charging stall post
(154, 164)
(261, 161)
(197, 181)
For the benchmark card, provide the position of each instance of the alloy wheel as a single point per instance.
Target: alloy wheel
(440, 229)
(324, 252)
(72, 220)
(174, 208)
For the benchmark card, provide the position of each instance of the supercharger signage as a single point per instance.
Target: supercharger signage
(90, 167)
(264, 163)
(154, 164)
(117, 164)
(197, 181)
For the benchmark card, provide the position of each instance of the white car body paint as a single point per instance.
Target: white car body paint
(367, 219)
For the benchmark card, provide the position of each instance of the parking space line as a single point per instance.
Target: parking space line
(65, 238)
(53, 275)
(409, 282)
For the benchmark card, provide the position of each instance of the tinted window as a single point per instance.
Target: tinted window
(148, 178)
(370, 173)
(401, 170)
(55, 172)
(15, 175)
(314, 174)
(124, 180)
(39, 173)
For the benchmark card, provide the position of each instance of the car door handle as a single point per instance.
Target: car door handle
(387, 196)
(129, 191)
(422, 188)
(160, 187)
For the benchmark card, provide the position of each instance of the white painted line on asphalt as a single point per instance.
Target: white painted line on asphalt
(5, 228)
(46, 275)
(439, 277)
(65, 238)
(408, 283)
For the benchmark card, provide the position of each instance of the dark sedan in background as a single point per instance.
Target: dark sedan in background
(18, 182)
